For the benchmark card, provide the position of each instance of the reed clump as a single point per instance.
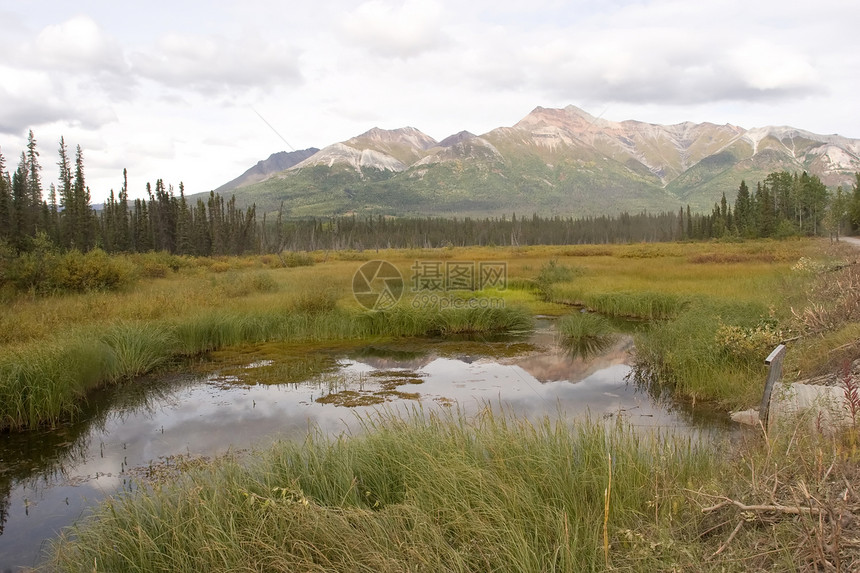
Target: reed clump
(585, 333)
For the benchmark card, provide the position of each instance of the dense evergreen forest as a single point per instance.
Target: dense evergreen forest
(782, 205)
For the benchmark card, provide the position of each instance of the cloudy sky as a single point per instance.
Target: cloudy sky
(176, 90)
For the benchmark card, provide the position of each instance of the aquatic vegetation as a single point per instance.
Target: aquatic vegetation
(136, 348)
(584, 333)
(684, 355)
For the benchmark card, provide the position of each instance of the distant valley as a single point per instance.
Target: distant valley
(552, 162)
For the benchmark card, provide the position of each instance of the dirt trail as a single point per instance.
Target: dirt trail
(851, 240)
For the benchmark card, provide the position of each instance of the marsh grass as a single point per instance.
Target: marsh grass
(134, 349)
(432, 492)
(684, 357)
(649, 305)
(235, 284)
(585, 333)
(438, 492)
(45, 384)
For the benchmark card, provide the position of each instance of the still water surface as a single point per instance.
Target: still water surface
(248, 397)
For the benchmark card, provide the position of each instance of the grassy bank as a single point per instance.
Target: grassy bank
(440, 493)
(714, 311)
(46, 383)
(704, 300)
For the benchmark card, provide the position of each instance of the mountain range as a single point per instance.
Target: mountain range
(552, 162)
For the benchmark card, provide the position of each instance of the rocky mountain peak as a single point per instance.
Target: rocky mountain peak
(452, 140)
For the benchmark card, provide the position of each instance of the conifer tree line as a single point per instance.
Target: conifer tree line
(784, 204)
(162, 221)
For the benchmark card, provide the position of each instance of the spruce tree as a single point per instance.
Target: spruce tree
(82, 225)
(68, 206)
(20, 212)
(743, 211)
(5, 202)
(123, 232)
(34, 185)
(854, 206)
(184, 224)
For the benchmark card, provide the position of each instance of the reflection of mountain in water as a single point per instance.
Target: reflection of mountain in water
(556, 365)
(380, 363)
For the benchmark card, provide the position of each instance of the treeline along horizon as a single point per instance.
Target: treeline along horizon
(784, 204)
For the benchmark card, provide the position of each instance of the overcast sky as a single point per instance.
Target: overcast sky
(173, 90)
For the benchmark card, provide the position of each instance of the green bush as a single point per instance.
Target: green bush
(293, 259)
(92, 271)
(44, 270)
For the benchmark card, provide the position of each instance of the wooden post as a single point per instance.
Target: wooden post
(774, 360)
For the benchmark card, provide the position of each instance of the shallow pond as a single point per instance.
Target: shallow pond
(249, 396)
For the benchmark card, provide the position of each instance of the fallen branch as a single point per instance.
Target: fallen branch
(794, 510)
(729, 540)
(850, 344)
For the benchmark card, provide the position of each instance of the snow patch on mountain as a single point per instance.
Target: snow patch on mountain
(358, 159)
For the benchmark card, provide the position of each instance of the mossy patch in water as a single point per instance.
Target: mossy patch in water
(396, 374)
(398, 395)
(273, 362)
(392, 352)
(351, 399)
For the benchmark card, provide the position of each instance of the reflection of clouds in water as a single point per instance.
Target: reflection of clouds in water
(38, 515)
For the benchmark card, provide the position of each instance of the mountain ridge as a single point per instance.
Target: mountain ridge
(553, 161)
(275, 163)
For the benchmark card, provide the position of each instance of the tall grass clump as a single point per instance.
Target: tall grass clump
(409, 321)
(585, 333)
(136, 349)
(647, 305)
(483, 320)
(688, 356)
(46, 384)
(235, 285)
(316, 301)
(294, 259)
(431, 492)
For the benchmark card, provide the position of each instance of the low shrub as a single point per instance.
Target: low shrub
(293, 259)
(91, 271)
(44, 270)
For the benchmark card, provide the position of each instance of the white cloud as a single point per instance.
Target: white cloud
(211, 63)
(78, 44)
(646, 65)
(181, 78)
(32, 98)
(395, 31)
(766, 66)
